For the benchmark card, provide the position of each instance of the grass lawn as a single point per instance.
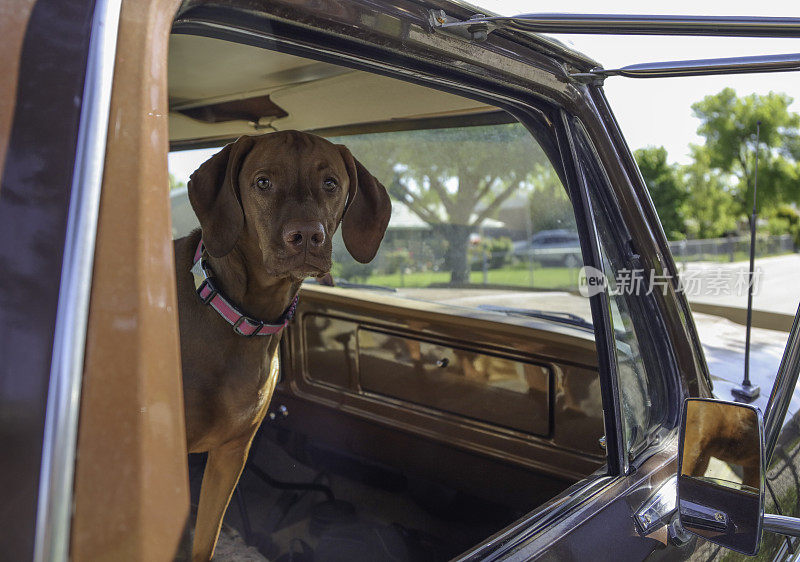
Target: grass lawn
(512, 275)
(543, 278)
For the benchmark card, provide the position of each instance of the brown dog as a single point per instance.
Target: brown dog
(268, 207)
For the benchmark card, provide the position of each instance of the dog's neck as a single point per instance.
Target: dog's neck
(257, 295)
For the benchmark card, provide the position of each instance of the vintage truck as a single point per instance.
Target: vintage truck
(433, 407)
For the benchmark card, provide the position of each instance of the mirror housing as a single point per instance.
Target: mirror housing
(721, 473)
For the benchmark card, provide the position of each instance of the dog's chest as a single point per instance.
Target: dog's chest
(228, 391)
(247, 383)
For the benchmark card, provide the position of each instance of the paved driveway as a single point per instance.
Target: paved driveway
(777, 283)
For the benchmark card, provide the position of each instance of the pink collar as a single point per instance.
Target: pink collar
(210, 295)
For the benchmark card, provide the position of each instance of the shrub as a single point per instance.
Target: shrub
(397, 260)
(498, 251)
(351, 270)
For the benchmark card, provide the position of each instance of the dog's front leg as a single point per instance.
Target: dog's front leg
(224, 465)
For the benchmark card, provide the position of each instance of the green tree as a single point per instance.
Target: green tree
(709, 209)
(550, 207)
(666, 188)
(728, 124)
(453, 179)
(786, 220)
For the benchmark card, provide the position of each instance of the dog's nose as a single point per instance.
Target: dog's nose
(299, 234)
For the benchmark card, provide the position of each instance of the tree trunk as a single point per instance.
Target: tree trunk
(457, 236)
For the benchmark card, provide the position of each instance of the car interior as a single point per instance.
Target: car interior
(420, 409)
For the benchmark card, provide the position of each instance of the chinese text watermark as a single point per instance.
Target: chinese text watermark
(713, 282)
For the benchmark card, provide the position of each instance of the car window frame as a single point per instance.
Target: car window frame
(690, 369)
(645, 311)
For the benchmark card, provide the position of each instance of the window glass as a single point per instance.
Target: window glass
(642, 392)
(634, 390)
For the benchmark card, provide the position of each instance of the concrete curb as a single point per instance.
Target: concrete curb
(761, 318)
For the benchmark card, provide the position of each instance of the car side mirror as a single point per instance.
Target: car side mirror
(721, 473)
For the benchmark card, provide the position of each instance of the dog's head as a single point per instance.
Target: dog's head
(280, 197)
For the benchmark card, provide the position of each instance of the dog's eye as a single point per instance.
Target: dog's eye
(330, 184)
(263, 183)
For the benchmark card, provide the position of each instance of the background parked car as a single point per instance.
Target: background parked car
(551, 247)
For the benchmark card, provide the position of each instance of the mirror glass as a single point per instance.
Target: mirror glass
(721, 483)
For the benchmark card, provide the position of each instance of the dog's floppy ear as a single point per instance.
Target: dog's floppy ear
(214, 195)
(367, 212)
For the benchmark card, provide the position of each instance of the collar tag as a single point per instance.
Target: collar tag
(198, 273)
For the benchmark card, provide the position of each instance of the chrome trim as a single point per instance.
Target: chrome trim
(659, 507)
(709, 517)
(609, 24)
(54, 510)
(782, 524)
(440, 19)
(526, 528)
(782, 390)
(701, 67)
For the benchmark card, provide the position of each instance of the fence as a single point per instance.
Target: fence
(417, 260)
(733, 248)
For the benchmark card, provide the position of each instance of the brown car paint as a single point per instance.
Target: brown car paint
(131, 482)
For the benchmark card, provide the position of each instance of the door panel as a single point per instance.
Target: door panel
(329, 350)
(529, 397)
(593, 520)
(497, 390)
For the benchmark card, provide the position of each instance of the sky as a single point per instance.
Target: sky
(657, 111)
(654, 111)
